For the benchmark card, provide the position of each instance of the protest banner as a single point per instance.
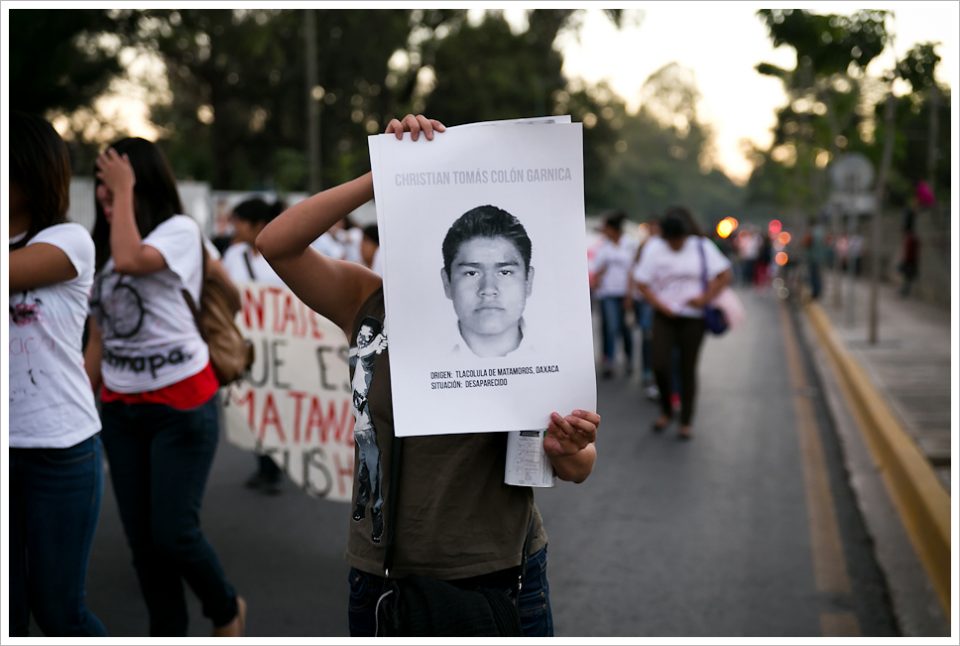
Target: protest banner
(295, 404)
(485, 277)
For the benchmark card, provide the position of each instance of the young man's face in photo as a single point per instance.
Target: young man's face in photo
(489, 285)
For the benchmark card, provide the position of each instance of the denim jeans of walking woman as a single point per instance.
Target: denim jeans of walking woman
(160, 458)
(54, 507)
(615, 326)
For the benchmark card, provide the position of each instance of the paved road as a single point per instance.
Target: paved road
(749, 530)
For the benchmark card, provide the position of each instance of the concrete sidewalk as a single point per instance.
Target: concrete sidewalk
(909, 365)
(890, 404)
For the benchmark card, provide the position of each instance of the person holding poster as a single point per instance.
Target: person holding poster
(456, 518)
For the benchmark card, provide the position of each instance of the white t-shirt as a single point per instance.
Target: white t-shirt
(616, 258)
(329, 246)
(350, 239)
(150, 338)
(51, 401)
(377, 267)
(676, 276)
(236, 266)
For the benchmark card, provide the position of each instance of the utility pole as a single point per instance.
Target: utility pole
(933, 133)
(313, 102)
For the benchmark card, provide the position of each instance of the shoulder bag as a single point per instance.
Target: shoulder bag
(713, 317)
(420, 606)
(230, 353)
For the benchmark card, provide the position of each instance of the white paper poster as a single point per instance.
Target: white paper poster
(487, 300)
(295, 405)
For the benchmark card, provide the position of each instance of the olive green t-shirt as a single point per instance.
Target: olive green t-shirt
(456, 518)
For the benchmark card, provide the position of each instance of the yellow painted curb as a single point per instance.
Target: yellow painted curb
(921, 500)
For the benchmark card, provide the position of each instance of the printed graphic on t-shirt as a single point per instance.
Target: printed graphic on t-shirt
(27, 311)
(371, 342)
(122, 314)
(122, 311)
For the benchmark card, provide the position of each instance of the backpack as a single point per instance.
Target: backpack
(231, 354)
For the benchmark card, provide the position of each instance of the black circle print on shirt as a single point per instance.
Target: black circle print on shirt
(122, 311)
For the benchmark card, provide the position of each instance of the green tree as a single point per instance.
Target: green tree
(921, 130)
(486, 72)
(60, 60)
(238, 83)
(825, 102)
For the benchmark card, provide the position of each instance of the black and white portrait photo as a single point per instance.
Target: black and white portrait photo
(488, 277)
(496, 214)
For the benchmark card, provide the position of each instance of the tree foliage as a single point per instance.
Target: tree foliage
(60, 60)
(232, 104)
(833, 107)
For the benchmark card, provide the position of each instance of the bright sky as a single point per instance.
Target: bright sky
(722, 42)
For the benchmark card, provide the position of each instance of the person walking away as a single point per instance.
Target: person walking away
(815, 245)
(159, 409)
(611, 264)
(670, 275)
(55, 460)
(643, 314)
(456, 518)
(244, 264)
(909, 258)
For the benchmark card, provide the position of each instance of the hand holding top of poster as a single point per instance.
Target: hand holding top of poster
(414, 124)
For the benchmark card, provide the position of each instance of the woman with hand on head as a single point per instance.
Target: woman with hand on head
(159, 408)
(456, 518)
(56, 464)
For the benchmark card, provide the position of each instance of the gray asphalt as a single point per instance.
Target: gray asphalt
(703, 538)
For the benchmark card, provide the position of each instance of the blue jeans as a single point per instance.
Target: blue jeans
(536, 618)
(160, 458)
(643, 312)
(614, 325)
(54, 506)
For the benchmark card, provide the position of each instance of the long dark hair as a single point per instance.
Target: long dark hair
(681, 213)
(155, 196)
(40, 168)
(256, 210)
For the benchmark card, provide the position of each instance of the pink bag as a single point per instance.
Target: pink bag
(728, 301)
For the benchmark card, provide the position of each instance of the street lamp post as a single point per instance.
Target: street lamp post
(313, 103)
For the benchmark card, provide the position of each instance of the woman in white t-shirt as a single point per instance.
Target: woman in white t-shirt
(158, 395)
(670, 275)
(56, 464)
(611, 265)
(246, 264)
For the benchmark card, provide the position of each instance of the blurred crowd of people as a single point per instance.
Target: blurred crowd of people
(660, 284)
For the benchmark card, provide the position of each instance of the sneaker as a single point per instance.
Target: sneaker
(255, 481)
(272, 487)
(238, 625)
(652, 392)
